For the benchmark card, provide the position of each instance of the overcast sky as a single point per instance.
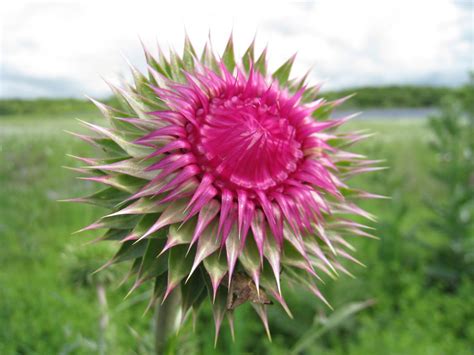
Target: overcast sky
(63, 48)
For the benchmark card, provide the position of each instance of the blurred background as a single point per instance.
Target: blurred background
(410, 63)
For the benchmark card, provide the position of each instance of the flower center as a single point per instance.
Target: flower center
(246, 143)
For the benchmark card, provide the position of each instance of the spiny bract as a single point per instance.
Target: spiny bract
(223, 180)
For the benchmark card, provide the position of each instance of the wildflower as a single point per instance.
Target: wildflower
(225, 180)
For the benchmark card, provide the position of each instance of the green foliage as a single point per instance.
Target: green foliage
(45, 308)
(453, 213)
(366, 97)
(323, 325)
(52, 107)
(81, 264)
(38, 106)
(392, 96)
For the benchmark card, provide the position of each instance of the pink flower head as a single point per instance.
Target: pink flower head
(224, 168)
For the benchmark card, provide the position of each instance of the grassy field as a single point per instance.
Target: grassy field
(45, 309)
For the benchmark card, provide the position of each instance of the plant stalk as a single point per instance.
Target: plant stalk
(104, 317)
(167, 320)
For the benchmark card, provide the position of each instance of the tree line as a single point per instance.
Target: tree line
(405, 96)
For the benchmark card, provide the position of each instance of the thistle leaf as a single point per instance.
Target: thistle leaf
(207, 245)
(142, 85)
(209, 59)
(114, 234)
(190, 292)
(125, 183)
(219, 309)
(189, 54)
(272, 253)
(134, 150)
(158, 290)
(177, 66)
(282, 73)
(132, 167)
(142, 206)
(113, 222)
(323, 112)
(292, 257)
(248, 57)
(129, 251)
(179, 235)
(152, 266)
(108, 197)
(229, 57)
(179, 266)
(268, 282)
(261, 63)
(250, 260)
(233, 248)
(143, 226)
(216, 266)
(262, 313)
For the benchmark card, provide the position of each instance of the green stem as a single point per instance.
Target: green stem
(104, 318)
(167, 319)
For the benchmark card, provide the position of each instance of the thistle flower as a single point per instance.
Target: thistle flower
(225, 180)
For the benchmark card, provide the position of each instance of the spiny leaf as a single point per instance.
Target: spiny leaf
(136, 102)
(228, 57)
(207, 244)
(323, 112)
(305, 279)
(250, 260)
(310, 94)
(189, 54)
(179, 266)
(219, 309)
(158, 289)
(153, 64)
(150, 262)
(165, 64)
(132, 167)
(130, 250)
(191, 292)
(261, 63)
(115, 222)
(216, 266)
(177, 65)
(143, 226)
(282, 73)
(108, 198)
(262, 313)
(292, 257)
(134, 150)
(114, 234)
(179, 235)
(208, 58)
(142, 206)
(142, 85)
(125, 183)
(111, 147)
(297, 84)
(248, 57)
(267, 280)
(272, 254)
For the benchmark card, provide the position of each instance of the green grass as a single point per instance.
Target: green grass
(43, 311)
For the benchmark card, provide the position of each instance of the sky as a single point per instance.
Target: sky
(67, 48)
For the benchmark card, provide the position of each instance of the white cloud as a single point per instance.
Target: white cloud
(63, 47)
